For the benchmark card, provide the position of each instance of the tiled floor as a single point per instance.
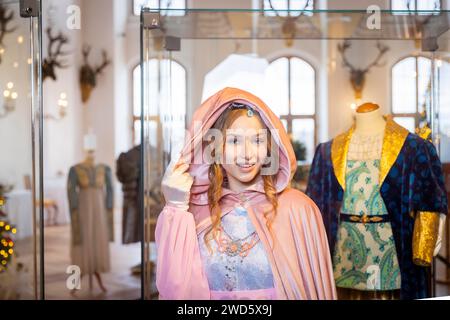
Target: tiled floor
(120, 283)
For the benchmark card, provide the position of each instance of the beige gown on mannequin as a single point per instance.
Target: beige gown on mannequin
(91, 198)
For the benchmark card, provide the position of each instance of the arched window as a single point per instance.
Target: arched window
(281, 7)
(411, 90)
(292, 96)
(160, 4)
(412, 5)
(159, 71)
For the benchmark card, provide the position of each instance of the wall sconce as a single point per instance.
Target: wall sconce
(62, 108)
(9, 100)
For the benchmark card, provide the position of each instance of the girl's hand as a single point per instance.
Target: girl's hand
(176, 184)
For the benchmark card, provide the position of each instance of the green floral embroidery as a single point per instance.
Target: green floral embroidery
(365, 257)
(351, 180)
(355, 246)
(373, 228)
(351, 278)
(388, 270)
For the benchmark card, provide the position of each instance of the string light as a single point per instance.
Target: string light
(6, 242)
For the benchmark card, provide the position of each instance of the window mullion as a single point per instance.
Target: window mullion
(289, 120)
(416, 116)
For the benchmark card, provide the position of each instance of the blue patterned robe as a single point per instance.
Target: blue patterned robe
(411, 181)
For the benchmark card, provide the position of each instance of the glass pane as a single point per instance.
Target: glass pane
(20, 167)
(303, 85)
(303, 131)
(444, 110)
(443, 135)
(92, 213)
(429, 5)
(210, 37)
(160, 79)
(423, 83)
(139, 4)
(137, 132)
(277, 86)
(416, 5)
(163, 4)
(404, 86)
(154, 85)
(137, 91)
(178, 90)
(403, 4)
(407, 122)
(277, 5)
(284, 5)
(211, 23)
(301, 5)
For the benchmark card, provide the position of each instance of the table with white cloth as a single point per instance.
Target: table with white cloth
(56, 189)
(19, 209)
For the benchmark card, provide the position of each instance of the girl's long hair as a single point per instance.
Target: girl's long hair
(217, 178)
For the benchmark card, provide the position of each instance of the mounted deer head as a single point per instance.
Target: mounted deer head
(289, 28)
(358, 76)
(5, 18)
(55, 53)
(88, 74)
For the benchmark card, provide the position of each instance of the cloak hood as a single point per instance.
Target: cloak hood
(205, 117)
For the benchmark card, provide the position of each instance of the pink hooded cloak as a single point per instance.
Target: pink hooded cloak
(297, 248)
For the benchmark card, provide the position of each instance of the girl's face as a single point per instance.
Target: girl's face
(245, 150)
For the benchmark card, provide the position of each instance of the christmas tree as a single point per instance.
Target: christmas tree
(6, 237)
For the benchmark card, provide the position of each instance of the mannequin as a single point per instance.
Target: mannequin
(91, 202)
(128, 173)
(369, 120)
(382, 196)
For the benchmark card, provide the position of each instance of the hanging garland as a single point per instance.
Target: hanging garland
(6, 241)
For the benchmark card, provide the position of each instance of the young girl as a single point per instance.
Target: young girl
(232, 228)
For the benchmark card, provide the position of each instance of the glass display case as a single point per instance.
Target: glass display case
(21, 205)
(312, 67)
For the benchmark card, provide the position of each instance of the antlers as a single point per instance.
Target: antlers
(54, 48)
(88, 74)
(342, 47)
(382, 49)
(103, 65)
(289, 27)
(5, 18)
(357, 76)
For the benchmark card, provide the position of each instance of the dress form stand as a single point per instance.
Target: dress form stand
(360, 199)
(369, 119)
(89, 162)
(90, 166)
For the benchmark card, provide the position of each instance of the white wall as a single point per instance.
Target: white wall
(15, 133)
(63, 138)
(106, 113)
